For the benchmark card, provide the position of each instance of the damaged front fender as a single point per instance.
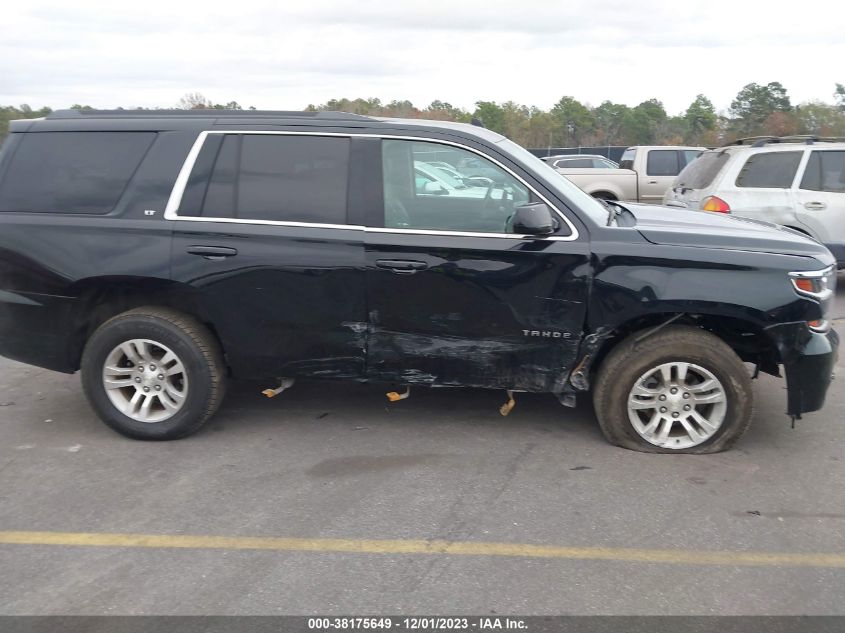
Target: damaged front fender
(808, 359)
(579, 378)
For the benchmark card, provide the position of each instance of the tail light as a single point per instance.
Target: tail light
(714, 203)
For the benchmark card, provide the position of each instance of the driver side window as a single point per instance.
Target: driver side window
(444, 188)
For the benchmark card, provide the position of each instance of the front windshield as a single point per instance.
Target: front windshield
(568, 191)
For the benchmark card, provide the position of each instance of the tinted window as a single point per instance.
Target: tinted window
(701, 172)
(417, 196)
(769, 170)
(662, 162)
(6, 150)
(197, 185)
(825, 172)
(72, 172)
(293, 178)
(270, 177)
(219, 201)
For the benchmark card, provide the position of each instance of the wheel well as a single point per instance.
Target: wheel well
(604, 195)
(747, 339)
(795, 228)
(100, 299)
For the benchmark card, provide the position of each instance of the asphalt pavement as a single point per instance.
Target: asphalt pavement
(330, 500)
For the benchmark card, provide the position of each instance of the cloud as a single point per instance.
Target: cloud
(286, 55)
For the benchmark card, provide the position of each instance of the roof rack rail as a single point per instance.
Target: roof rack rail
(209, 113)
(752, 139)
(807, 139)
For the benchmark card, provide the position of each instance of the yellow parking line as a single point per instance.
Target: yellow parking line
(455, 548)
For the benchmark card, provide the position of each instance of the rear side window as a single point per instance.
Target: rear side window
(662, 162)
(294, 178)
(72, 172)
(274, 177)
(627, 160)
(701, 172)
(773, 170)
(825, 172)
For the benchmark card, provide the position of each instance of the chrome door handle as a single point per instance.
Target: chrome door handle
(815, 206)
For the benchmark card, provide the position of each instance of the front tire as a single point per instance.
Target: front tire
(679, 390)
(153, 373)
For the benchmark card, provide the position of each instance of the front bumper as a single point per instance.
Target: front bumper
(809, 359)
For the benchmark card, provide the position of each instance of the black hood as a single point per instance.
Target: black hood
(679, 227)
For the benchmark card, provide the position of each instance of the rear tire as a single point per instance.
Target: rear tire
(699, 388)
(153, 373)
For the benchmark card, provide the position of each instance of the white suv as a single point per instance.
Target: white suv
(798, 182)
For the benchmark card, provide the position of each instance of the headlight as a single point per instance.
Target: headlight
(818, 285)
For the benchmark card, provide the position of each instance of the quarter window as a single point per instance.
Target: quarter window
(772, 170)
(273, 177)
(72, 172)
(481, 197)
(825, 172)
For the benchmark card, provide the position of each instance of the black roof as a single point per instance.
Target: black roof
(205, 118)
(207, 113)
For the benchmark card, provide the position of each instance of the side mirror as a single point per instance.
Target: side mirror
(434, 188)
(533, 219)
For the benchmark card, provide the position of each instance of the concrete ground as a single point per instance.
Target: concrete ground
(458, 497)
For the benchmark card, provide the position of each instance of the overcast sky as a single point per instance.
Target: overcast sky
(285, 55)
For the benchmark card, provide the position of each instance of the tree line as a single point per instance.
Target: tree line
(756, 110)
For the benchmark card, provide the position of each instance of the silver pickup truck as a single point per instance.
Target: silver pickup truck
(644, 174)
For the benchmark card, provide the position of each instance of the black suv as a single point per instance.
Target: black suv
(163, 253)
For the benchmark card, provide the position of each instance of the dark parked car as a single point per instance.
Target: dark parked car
(164, 253)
